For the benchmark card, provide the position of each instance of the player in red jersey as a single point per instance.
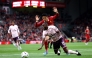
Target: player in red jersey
(46, 21)
(87, 35)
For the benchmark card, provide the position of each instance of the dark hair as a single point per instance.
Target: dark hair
(45, 27)
(13, 21)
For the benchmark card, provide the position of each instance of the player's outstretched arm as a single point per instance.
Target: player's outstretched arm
(56, 15)
(37, 18)
(38, 23)
(55, 10)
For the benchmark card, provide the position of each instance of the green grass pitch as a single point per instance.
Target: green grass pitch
(9, 51)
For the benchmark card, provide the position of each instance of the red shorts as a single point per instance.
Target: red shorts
(87, 36)
(87, 40)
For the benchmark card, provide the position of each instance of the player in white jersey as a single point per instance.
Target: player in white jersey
(14, 33)
(53, 34)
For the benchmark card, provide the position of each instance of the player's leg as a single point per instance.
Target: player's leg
(87, 39)
(51, 45)
(45, 42)
(13, 42)
(48, 44)
(68, 52)
(74, 52)
(17, 42)
(56, 47)
(41, 44)
(46, 47)
(63, 45)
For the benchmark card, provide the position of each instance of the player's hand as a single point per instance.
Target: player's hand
(39, 48)
(55, 10)
(37, 18)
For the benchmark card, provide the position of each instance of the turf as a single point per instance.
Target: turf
(9, 51)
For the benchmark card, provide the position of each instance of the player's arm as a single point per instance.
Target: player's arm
(38, 23)
(9, 32)
(18, 30)
(56, 15)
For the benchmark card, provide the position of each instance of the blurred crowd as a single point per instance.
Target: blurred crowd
(81, 23)
(28, 31)
(26, 26)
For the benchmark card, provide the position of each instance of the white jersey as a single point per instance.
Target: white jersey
(14, 30)
(51, 31)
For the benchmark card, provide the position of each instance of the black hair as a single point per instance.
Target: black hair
(46, 27)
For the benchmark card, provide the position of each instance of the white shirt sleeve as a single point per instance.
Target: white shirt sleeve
(56, 29)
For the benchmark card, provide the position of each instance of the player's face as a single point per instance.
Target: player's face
(87, 27)
(45, 18)
(12, 23)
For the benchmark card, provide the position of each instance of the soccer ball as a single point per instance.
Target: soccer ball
(24, 54)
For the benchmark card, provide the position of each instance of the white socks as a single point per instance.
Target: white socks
(72, 52)
(86, 43)
(58, 51)
(17, 45)
(19, 48)
(14, 43)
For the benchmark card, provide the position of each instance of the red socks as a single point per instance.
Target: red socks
(46, 45)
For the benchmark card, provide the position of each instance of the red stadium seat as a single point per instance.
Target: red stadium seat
(27, 42)
(8, 42)
(3, 42)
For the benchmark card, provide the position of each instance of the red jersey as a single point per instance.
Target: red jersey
(87, 34)
(50, 21)
(87, 31)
